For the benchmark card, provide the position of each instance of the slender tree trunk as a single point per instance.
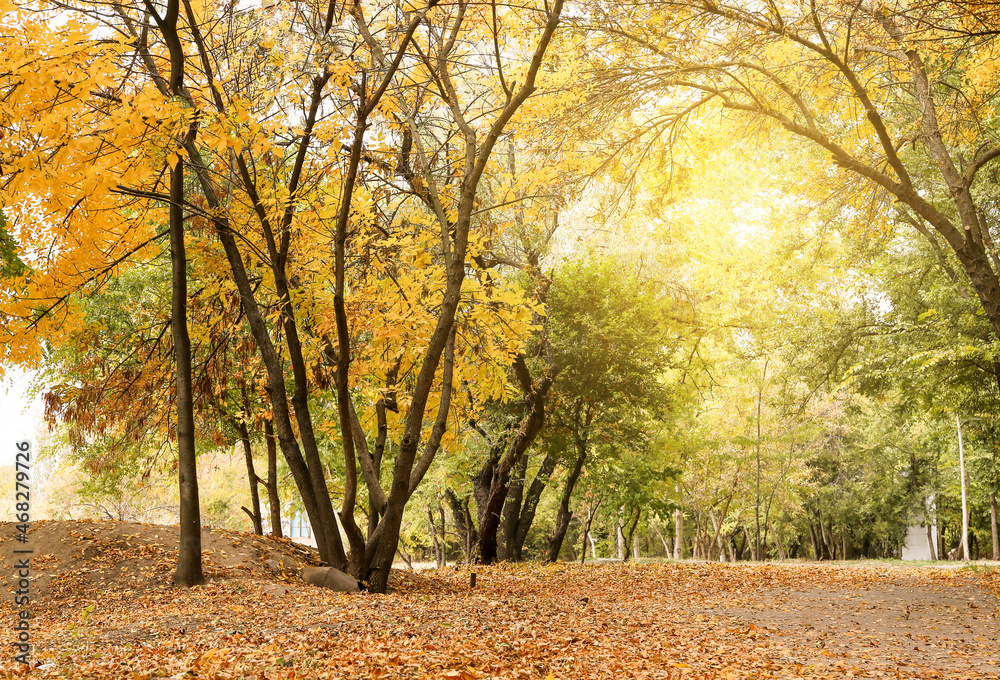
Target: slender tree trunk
(619, 536)
(273, 500)
(564, 514)
(189, 568)
(741, 550)
(276, 385)
(760, 399)
(330, 546)
(697, 547)
(631, 547)
(463, 522)
(718, 533)
(591, 512)
(434, 536)
(965, 505)
(993, 526)
(532, 419)
(444, 535)
(751, 544)
(512, 511)
(530, 505)
(678, 534)
(477, 156)
(254, 509)
(931, 548)
(756, 507)
(777, 543)
(357, 558)
(659, 534)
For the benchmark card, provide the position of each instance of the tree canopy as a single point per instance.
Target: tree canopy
(501, 280)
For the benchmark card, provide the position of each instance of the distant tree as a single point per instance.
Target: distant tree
(615, 335)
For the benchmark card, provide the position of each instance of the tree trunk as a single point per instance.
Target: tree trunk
(255, 515)
(329, 544)
(965, 505)
(463, 522)
(777, 543)
(538, 485)
(740, 550)
(591, 512)
(993, 526)
(512, 510)
(756, 507)
(357, 559)
(273, 500)
(436, 544)
(824, 541)
(659, 534)
(630, 545)
(532, 419)
(564, 514)
(444, 535)
(483, 480)
(697, 547)
(619, 536)
(308, 476)
(189, 568)
(717, 525)
(751, 543)
(678, 534)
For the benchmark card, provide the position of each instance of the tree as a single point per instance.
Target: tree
(861, 83)
(615, 339)
(257, 200)
(189, 572)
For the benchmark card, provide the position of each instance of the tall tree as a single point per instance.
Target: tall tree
(615, 337)
(872, 86)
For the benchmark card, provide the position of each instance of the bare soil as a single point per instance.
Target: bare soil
(78, 557)
(941, 619)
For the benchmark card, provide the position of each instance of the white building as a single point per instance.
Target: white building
(921, 536)
(297, 528)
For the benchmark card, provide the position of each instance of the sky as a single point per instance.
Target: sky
(20, 417)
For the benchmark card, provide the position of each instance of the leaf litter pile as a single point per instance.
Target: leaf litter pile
(103, 607)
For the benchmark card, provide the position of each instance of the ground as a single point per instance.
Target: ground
(103, 607)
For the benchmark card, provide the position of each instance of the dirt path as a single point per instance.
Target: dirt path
(904, 618)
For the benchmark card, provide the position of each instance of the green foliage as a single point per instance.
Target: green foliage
(10, 263)
(615, 335)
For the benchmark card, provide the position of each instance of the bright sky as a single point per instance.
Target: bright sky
(20, 417)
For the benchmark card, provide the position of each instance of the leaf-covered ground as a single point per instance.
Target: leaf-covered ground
(96, 619)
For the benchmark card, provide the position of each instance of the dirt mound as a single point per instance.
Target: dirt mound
(79, 556)
(74, 559)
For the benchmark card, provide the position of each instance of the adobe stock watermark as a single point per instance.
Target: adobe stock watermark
(22, 553)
